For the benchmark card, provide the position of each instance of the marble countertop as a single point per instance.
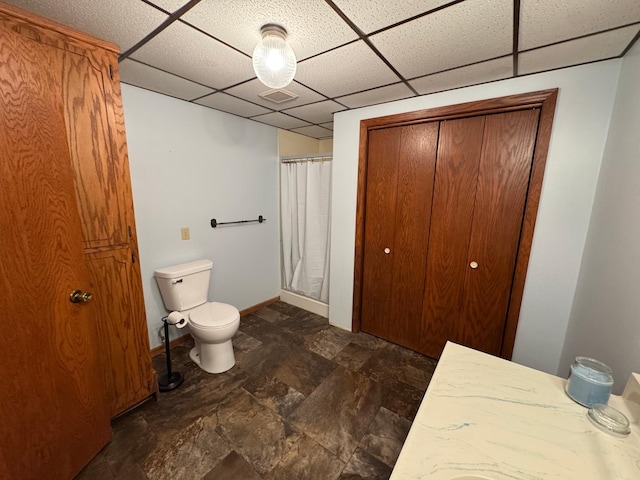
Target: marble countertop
(484, 417)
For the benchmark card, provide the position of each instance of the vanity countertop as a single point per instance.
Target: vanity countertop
(484, 417)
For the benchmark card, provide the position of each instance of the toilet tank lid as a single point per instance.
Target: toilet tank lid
(184, 269)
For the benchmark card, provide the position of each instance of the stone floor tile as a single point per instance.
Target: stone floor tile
(398, 365)
(267, 332)
(402, 399)
(272, 393)
(190, 454)
(304, 325)
(243, 343)
(261, 436)
(328, 342)
(302, 369)
(362, 466)
(131, 443)
(338, 412)
(98, 469)
(353, 356)
(269, 314)
(307, 461)
(286, 308)
(385, 436)
(232, 467)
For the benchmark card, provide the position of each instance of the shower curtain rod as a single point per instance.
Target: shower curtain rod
(318, 157)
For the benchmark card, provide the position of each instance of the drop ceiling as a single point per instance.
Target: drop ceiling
(351, 53)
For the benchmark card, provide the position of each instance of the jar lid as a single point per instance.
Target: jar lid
(609, 420)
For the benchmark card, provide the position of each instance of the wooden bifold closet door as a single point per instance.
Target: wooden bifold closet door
(445, 204)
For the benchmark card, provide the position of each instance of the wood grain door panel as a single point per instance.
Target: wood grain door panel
(459, 150)
(53, 408)
(91, 147)
(503, 180)
(124, 344)
(416, 168)
(382, 180)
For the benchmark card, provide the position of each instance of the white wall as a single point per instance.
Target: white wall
(605, 320)
(580, 128)
(190, 164)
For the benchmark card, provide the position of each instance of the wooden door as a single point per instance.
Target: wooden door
(52, 404)
(398, 217)
(484, 164)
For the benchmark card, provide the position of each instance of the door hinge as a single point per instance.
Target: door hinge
(111, 72)
(130, 231)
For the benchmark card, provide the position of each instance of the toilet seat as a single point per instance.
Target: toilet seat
(213, 315)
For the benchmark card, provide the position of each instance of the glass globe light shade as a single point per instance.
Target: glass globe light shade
(273, 59)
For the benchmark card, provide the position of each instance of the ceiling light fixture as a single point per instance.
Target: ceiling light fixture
(273, 59)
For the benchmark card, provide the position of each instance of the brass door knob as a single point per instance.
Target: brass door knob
(78, 296)
(473, 265)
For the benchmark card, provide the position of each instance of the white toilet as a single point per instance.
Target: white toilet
(184, 288)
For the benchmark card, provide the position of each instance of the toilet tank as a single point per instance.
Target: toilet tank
(184, 286)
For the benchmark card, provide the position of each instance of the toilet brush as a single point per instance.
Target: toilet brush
(170, 380)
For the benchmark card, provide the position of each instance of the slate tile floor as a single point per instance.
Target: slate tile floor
(305, 400)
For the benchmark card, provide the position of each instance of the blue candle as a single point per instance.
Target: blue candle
(590, 382)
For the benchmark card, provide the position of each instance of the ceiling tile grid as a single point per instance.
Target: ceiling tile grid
(348, 69)
(389, 93)
(482, 72)
(321, 112)
(191, 54)
(351, 53)
(543, 22)
(372, 15)
(574, 52)
(123, 22)
(313, 26)
(144, 76)
(464, 33)
(229, 104)
(251, 91)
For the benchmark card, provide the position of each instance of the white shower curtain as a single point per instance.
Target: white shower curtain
(305, 202)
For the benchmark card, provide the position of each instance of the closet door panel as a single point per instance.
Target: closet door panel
(503, 180)
(382, 179)
(92, 153)
(416, 168)
(459, 151)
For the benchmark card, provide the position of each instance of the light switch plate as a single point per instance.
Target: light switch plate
(184, 232)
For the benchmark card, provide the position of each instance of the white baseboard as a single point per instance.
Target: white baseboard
(305, 303)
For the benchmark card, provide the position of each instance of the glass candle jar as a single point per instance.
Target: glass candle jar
(590, 382)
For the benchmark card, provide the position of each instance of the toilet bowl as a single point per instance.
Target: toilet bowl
(184, 288)
(212, 326)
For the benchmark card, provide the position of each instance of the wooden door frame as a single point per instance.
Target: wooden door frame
(546, 101)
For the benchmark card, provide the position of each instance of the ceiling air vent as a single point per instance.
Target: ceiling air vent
(278, 95)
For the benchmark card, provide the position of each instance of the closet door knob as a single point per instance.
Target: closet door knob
(473, 265)
(387, 250)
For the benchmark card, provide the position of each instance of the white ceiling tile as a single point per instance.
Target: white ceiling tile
(320, 112)
(547, 21)
(345, 70)
(143, 76)
(251, 90)
(461, 77)
(227, 103)
(328, 125)
(280, 120)
(465, 33)
(169, 5)
(314, 131)
(123, 22)
(574, 52)
(312, 25)
(183, 50)
(389, 93)
(370, 16)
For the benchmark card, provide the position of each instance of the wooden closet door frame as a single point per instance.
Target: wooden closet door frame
(545, 100)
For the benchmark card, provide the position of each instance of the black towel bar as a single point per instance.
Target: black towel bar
(215, 223)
